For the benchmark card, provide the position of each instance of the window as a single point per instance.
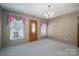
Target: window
(43, 28)
(33, 27)
(16, 24)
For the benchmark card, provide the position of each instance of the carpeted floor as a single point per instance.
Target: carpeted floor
(45, 47)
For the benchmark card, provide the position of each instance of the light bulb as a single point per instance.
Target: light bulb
(46, 15)
(49, 13)
(52, 13)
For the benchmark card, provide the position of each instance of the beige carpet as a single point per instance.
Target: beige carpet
(45, 47)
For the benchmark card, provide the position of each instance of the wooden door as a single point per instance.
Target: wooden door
(78, 31)
(33, 30)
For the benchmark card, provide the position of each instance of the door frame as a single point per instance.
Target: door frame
(78, 31)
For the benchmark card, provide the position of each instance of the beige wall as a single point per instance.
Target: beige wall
(5, 28)
(0, 27)
(64, 29)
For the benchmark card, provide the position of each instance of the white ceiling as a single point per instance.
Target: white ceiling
(37, 9)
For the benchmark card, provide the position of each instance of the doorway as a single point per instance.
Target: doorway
(33, 30)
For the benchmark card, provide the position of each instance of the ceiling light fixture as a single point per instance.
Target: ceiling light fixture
(49, 13)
